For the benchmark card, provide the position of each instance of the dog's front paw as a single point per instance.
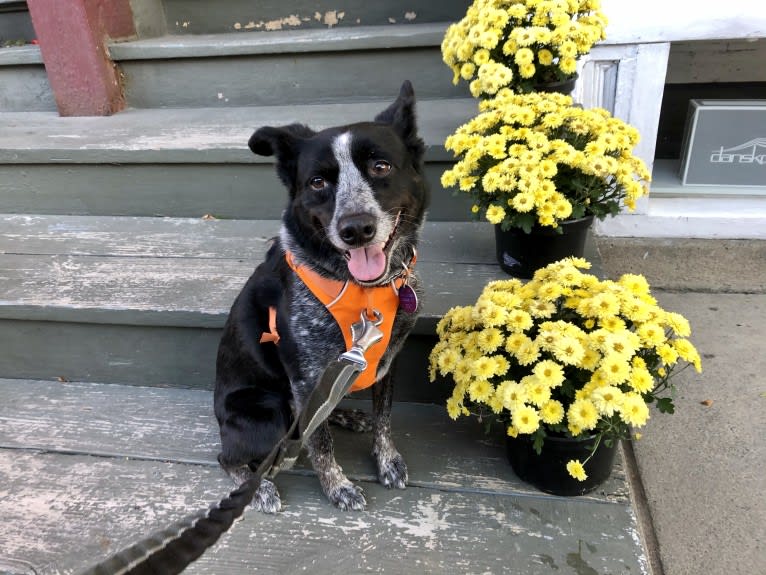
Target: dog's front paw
(266, 499)
(392, 471)
(347, 497)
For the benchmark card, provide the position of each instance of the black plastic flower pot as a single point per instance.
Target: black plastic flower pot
(548, 471)
(520, 254)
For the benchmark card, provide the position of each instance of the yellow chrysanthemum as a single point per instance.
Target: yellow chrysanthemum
(526, 419)
(634, 410)
(552, 412)
(489, 339)
(511, 394)
(549, 373)
(641, 380)
(495, 214)
(607, 400)
(688, 352)
(576, 470)
(583, 414)
(538, 393)
(480, 390)
(615, 368)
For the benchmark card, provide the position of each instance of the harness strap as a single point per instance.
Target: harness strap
(171, 550)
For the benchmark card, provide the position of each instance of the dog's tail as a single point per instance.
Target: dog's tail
(171, 550)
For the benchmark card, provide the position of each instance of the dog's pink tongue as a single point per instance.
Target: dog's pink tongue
(367, 264)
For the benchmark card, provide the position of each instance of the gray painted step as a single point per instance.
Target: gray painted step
(364, 63)
(24, 85)
(185, 162)
(142, 300)
(184, 17)
(464, 511)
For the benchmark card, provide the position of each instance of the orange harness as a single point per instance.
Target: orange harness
(346, 301)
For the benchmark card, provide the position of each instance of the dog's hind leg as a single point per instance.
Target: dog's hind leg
(392, 470)
(351, 419)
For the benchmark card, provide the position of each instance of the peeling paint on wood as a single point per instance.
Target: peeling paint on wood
(155, 463)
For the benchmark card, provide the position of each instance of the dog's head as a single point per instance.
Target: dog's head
(357, 195)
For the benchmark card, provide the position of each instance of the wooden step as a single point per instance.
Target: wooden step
(356, 64)
(142, 300)
(114, 463)
(186, 162)
(185, 17)
(24, 85)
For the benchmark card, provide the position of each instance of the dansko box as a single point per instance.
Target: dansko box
(725, 143)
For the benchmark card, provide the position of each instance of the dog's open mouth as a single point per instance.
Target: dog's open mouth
(370, 262)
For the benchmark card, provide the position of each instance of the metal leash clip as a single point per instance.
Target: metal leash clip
(364, 334)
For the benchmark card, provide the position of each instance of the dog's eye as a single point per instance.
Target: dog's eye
(379, 168)
(317, 183)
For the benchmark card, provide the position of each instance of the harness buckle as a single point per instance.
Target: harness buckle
(364, 334)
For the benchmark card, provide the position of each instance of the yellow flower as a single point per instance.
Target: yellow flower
(651, 334)
(615, 368)
(576, 470)
(538, 393)
(518, 320)
(525, 419)
(490, 339)
(641, 380)
(483, 368)
(678, 323)
(454, 407)
(583, 414)
(511, 394)
(634, 410)
(528, 352)
(568, 350)
(688, 352)
(467, 70)
(480, 390)
(607, 400)
(545, 57)
(552, 412)
(523, 202)
(549, 372)
(495, 214)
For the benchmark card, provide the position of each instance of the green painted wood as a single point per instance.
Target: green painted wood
(27, 55)
(144, 422)
(142, 300)
(15, 23)
(456, 242)
(269, 80)
(171, 266)
(284, 42)
(24, 88)
(200, 135)
(180, 162)
(107, 503)
(185, 17)
(224, 190)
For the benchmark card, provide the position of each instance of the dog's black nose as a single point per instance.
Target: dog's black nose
(357, 229)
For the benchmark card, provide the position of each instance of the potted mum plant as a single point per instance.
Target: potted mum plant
(524, 45)
(568, 363)
(534, 163)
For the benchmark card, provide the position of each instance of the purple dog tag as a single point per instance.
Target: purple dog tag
(408, 300)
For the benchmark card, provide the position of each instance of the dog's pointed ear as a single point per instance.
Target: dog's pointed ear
(283, 143)
(401, 116)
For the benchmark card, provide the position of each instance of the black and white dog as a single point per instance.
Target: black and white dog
(357, 198)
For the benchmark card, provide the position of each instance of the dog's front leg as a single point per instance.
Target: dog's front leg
(392, 470)
(339, 490)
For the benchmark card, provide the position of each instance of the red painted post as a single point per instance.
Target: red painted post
(72, 36)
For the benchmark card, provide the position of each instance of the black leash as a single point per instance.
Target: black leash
(171, 550)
